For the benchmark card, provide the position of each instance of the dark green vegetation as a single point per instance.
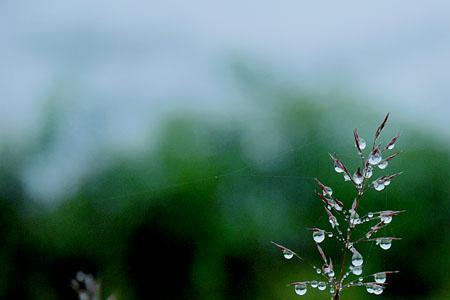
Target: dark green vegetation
(193, 217)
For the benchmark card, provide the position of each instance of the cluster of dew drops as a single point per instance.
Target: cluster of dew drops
(375, 287)
(375, 159)
(357, 260)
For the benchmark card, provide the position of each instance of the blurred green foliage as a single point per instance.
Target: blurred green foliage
(193, 217)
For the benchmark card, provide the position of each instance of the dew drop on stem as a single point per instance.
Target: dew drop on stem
(378, 185)
(357, 177)
(383, 164)
(384, 243)
(380, 277)
(357, 270)
(386, 218)
(374, 157)
(300, 289)
(362, 143)
(321, 286)
(318, 236)
(288, 254)
(357, 259)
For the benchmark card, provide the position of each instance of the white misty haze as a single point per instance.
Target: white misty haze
(133, 62)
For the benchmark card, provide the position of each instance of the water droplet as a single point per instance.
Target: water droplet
(331, 274)
(354, 218)
(318, 271)
(288, 254)
(318, 236)
(300, 288)
(333, 221)
(378, 185)
(327, 191)
(380, 277)
(378, 290)
(83, 295)
(346, 177)
(314, 284)
(386, 218)
(362, 143)
(357, 177)
(80, 276)
(357, 259)
(391, 146)
(387, 182)
(374, 289)
(383, 164)
(337, 168)
(360, 279)
(357, 270)
(374, 157)
(370, 215)
(330, 234)
(385, 243)
(321, 286)
(331, 290)
(368, 172)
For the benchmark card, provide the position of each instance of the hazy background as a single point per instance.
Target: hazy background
(162, 145)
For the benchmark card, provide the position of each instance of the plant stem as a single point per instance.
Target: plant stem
(347, 243)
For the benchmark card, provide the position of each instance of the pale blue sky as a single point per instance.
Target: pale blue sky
(133, 62)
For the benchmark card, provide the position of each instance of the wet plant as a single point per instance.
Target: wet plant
(345, 216)
(87, 287)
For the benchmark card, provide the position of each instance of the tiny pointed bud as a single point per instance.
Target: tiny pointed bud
(326, 190)
(392, 142)
(380, 128)
(354, 204)
(338, 205)
(392, 156)
(331, 218)
(357, 140)
(322, 254)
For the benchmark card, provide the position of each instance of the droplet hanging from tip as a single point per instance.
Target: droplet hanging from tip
(288, 254)
(378, 185)
(362, 143)
(300, 288)
(383, 164)
(321, 286)
(357, 177)
(374, 157)
(357, 259)
(384, 243)
(380, 277)
(318, 236)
